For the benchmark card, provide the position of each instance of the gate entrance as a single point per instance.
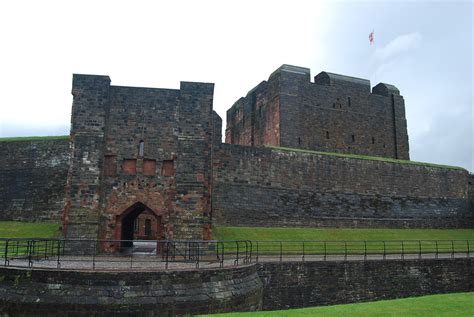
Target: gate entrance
(139, 223)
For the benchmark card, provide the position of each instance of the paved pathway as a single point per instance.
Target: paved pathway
(145, 261)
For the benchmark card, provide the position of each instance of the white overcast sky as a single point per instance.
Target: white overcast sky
(423, 48)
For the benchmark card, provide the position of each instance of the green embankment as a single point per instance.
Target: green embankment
(350, 241)
(459, 304)
(20, 229)
(365, 157)
(35, 138)
(299, 234)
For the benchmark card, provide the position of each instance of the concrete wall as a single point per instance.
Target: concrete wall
(160, 293)
(33, 179)
(292, 285)
(269, 187)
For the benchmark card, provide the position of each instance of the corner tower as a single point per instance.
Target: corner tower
(139, 151)
(335, 113)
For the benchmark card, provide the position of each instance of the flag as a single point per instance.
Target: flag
(371, 37)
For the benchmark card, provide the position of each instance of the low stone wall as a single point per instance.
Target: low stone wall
(298, 284)
(271, 187)
(33, 179)
(26, 292)
(267, 286)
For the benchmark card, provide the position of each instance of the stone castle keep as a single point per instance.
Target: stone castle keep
(286, 162)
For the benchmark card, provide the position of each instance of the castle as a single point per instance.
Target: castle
(327, 153)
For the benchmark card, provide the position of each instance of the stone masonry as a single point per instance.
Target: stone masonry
(137, 149)
(158, 152)
(335, 113)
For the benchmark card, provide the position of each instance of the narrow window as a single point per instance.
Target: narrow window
(353, 138)
(141, 148)
(136, 225)
(327, 134)
(334, 105)
(373, 141)
(299, 141)
(384, 145)
(148, 227)
(349, 101)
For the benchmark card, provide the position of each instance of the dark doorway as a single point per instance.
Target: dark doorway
(139, 223)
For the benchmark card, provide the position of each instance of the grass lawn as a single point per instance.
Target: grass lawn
(352, 241)
(20, 229)
(299, 234)
(459, 304)
(35, 138)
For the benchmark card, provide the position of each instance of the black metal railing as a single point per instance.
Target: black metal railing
(181, 254)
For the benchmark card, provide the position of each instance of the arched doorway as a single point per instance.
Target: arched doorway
(138, 222)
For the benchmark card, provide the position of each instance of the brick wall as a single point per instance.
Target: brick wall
(32, 179)
(269, 187)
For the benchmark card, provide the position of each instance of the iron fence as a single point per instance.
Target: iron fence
(182, 254)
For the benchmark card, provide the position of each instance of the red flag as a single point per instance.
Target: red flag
(371, 37)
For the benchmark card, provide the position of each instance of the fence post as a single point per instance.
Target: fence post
(58, 250)
(94, 254)
(345, 250)
(256, 260)
(303, 252)
(436, 255)
(6, 253)
(246, 252)
(131, 255)
(236, 261)
(403, 251)
(384, 250)
(452, 249)
(325, 251)
(167, 254)
(468, 251)
(30, 248)
(281, 250)
(198, 254)
(419, 248)
(365, 250)
(222, 257)
(251, 251)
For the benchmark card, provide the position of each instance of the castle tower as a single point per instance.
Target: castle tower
(139, 151)
(335, 113)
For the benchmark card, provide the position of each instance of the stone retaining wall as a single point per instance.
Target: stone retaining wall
(25, 292)
(305, 284)
(271, 187)
(33, 179)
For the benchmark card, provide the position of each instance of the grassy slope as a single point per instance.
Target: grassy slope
(365, 157)
(460, 304)
(35, 138)
(17, 229)
(259, 233)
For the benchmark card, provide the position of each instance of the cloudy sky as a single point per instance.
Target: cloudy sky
(423, 48)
